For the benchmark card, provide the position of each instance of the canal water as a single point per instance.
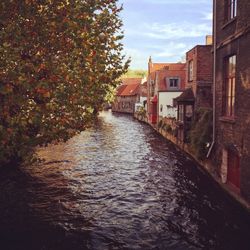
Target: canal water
(118, 185)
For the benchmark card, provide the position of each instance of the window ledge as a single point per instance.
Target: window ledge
(229, 22)
(228, 119)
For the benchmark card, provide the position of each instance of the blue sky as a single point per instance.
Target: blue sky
(164, 29)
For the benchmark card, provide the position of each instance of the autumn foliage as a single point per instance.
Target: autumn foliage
(59, 60)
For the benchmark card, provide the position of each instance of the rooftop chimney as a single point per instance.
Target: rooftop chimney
(209, 40)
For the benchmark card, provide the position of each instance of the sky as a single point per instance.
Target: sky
(164, 29)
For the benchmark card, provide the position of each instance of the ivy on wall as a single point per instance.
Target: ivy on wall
(200, 134)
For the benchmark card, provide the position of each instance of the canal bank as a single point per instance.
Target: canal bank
(206, 165)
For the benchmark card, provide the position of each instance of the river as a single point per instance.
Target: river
(118, 185)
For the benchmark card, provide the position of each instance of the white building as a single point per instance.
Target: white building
(166, 105)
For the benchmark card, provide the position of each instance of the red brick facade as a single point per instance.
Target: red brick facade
(232, 150)
(198, 93)
(202, 74)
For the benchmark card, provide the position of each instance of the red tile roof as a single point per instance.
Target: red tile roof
(130, 90)
(129, 87)
(120, 89)
(158, 66)
(167, 66)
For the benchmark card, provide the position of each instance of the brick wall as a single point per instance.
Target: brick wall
(233, 37)
(201, 56)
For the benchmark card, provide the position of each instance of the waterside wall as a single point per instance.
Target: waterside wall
(205, 165)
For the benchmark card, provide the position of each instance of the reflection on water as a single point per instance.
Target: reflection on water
(117, 186)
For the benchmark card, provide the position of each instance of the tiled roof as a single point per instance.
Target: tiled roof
(128, 90)
(131, 89)
(169, 66)
(120, 89)
(157, 66)
(186, 96)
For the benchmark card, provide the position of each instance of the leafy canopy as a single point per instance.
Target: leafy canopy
(135, 73)
(59, 60)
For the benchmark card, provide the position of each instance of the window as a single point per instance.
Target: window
(233, 168)
(229, 90)
(181, 113)
(190, 70)
(173, 83)
(231, 9)
(189, 112)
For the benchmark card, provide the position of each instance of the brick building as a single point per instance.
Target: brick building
(198, 93)
(200, 74)
(127, 95)
(163, 77)
(231, 154)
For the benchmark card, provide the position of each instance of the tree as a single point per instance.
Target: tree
(135, 73)
(59, 59)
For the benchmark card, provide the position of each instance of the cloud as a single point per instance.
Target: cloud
(164, 29)
(208, 16)
(164, 42)
(172, 51)
(177, 30)
(139, 60)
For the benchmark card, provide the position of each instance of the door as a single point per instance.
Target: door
(233, 172)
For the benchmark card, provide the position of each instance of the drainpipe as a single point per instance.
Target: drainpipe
(214, 74)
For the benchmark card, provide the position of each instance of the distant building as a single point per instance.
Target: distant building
(232, 94)
(127, 95)
(142, 103)
(165, 82)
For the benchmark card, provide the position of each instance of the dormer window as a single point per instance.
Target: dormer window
(173, 83)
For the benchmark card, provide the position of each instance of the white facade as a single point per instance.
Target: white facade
(142, 99)
(165, 104)
(140, 104)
